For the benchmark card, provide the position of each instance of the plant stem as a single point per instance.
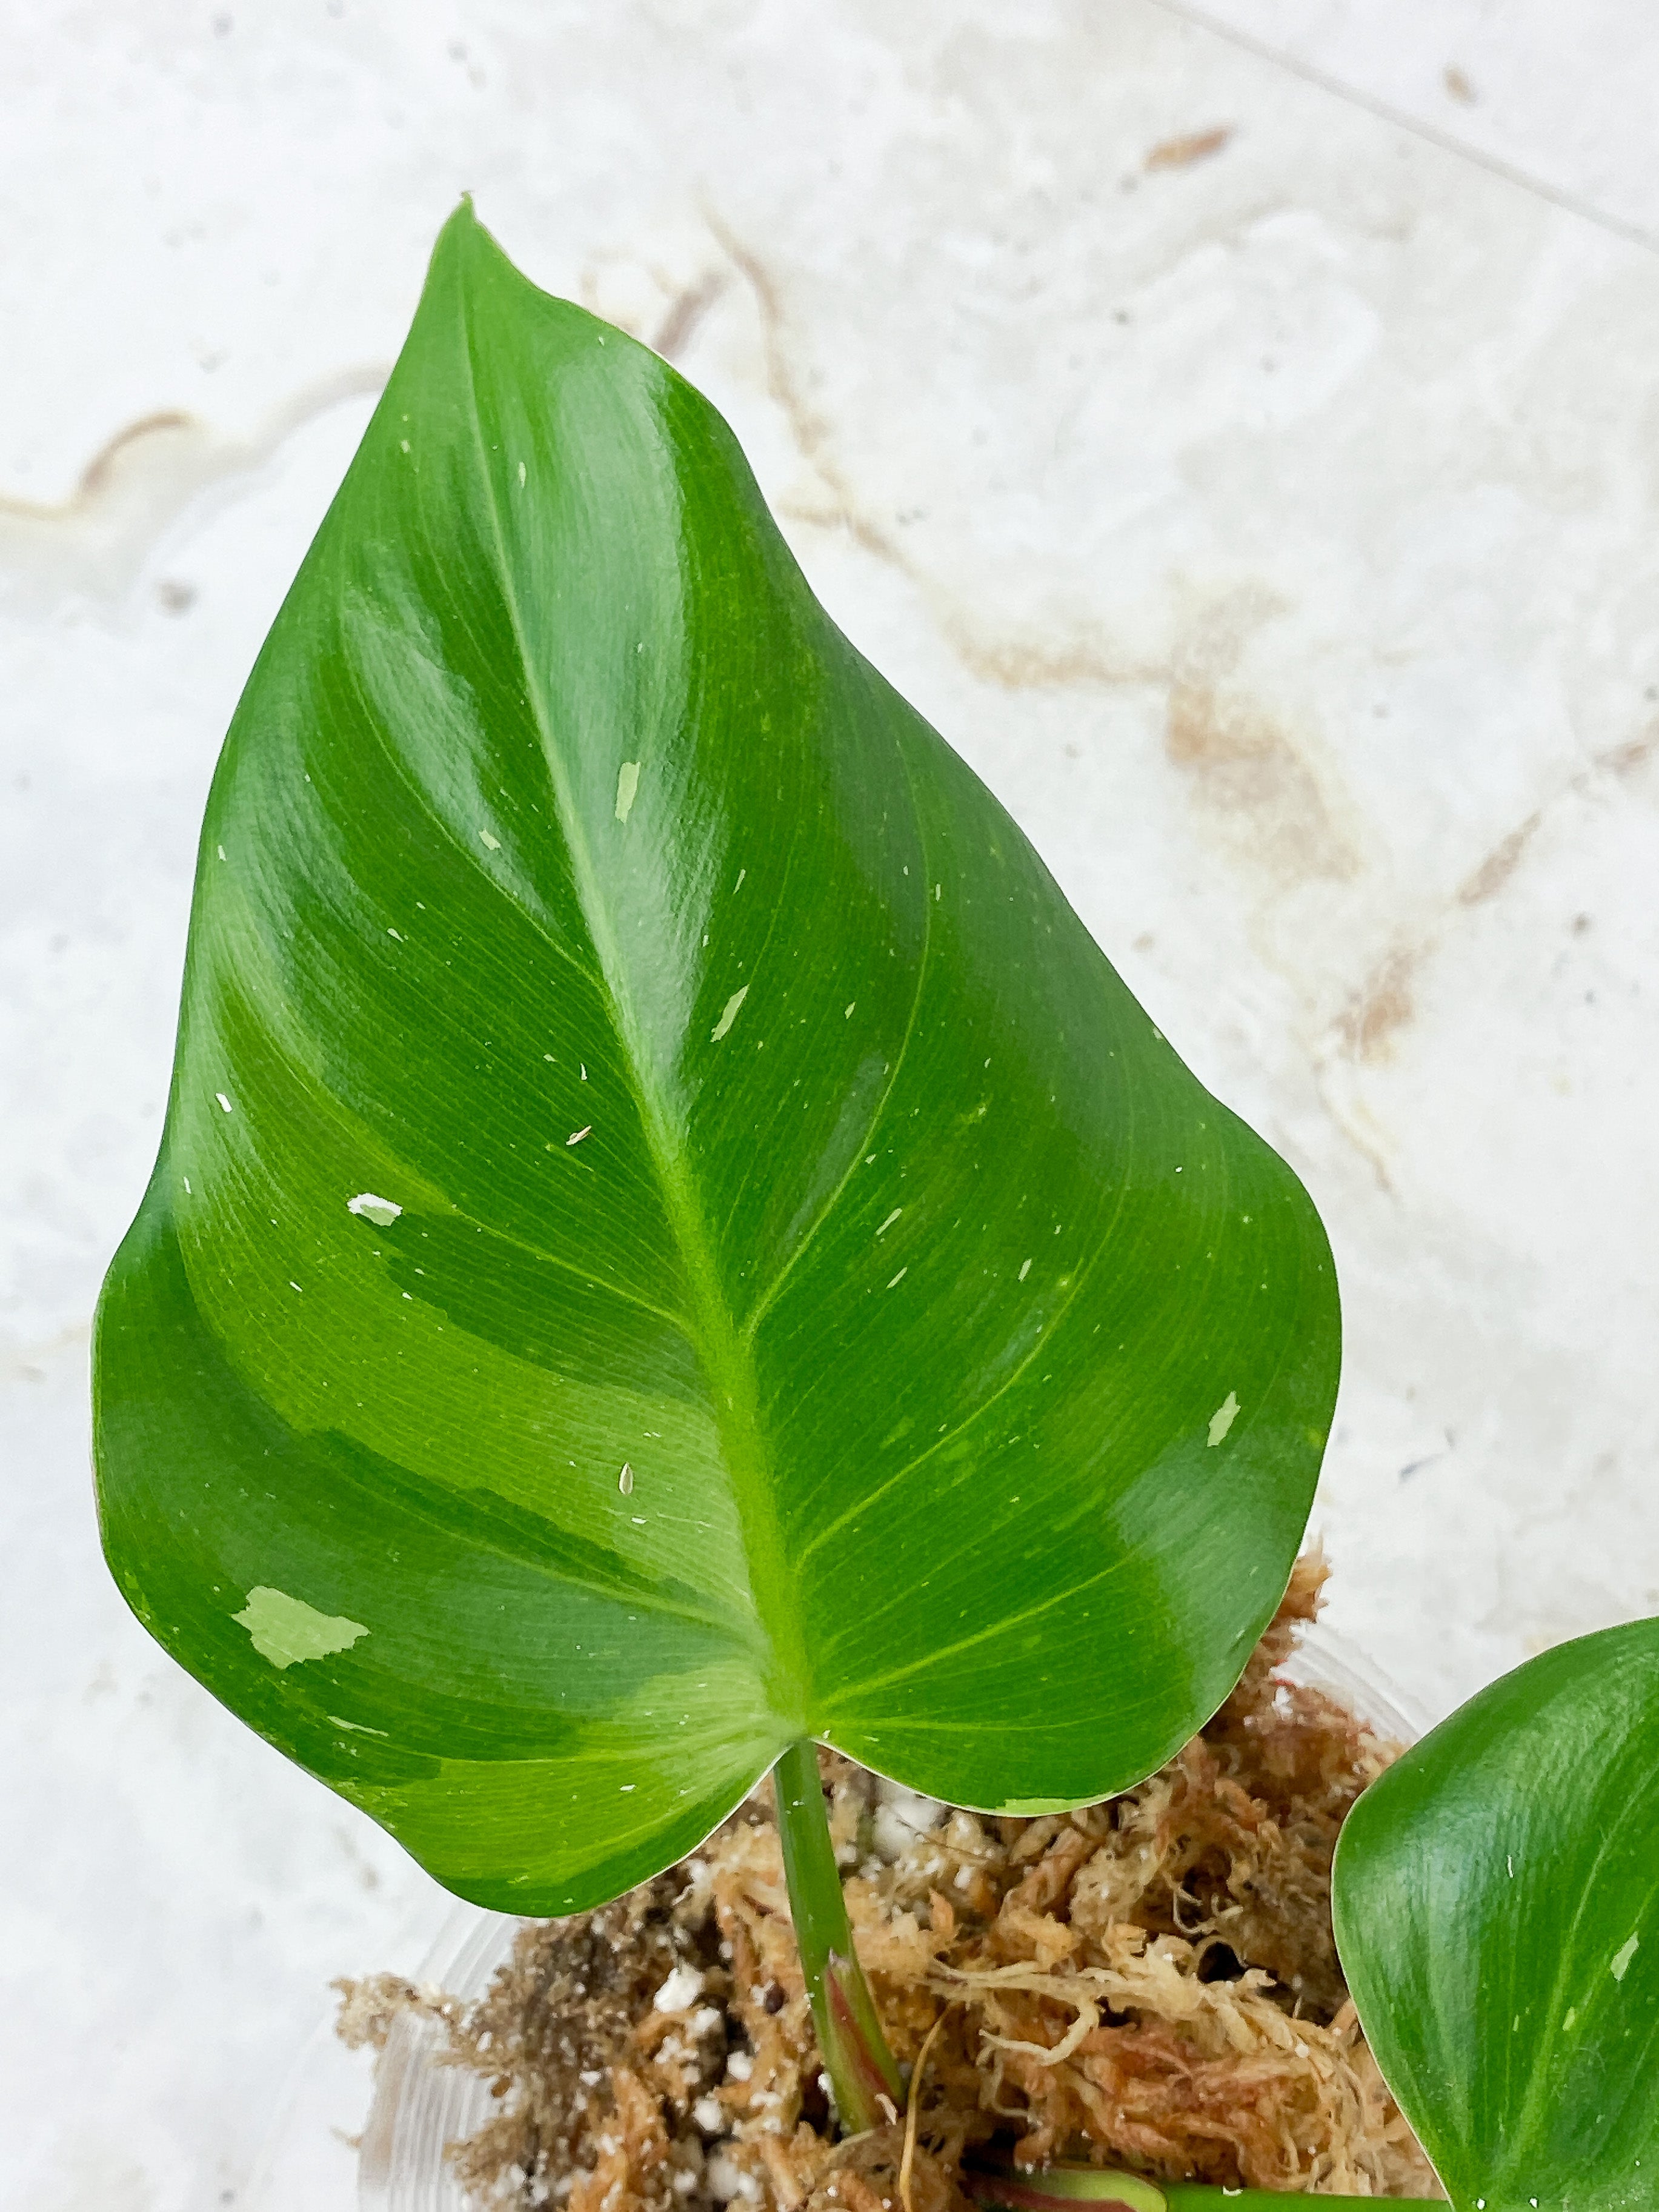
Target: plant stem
(864, 2078)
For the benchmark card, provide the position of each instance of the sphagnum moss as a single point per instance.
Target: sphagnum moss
(1149, 1982)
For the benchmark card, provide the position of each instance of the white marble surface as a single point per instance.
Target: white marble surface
(1559, 100)
(1272, 528)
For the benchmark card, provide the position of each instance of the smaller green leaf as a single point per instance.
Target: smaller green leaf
(1496, 1896)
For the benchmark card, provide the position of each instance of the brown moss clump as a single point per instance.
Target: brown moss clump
(1150, 1982)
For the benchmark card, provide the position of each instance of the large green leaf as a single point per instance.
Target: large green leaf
(817, 1300)
(1496, 1907)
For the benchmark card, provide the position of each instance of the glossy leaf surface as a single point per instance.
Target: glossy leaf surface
(1495, 1897)
(669, 1236)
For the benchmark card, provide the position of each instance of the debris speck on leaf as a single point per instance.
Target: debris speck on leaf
(382, 1212)
(576, 1135)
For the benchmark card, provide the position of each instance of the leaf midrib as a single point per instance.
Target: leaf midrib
(730, 1373)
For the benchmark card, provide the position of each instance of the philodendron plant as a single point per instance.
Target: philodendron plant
(671, 1246)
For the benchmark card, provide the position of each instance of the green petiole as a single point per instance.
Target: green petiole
(864, 2077)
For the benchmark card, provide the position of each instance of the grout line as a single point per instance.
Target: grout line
(1634, 234)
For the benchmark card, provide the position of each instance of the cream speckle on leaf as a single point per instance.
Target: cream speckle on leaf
(627, 782)
(729, 1016)
(286, 1630)
(1620, 1963)
(1222, 1417)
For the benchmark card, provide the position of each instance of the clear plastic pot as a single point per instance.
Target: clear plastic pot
(420, 2105)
